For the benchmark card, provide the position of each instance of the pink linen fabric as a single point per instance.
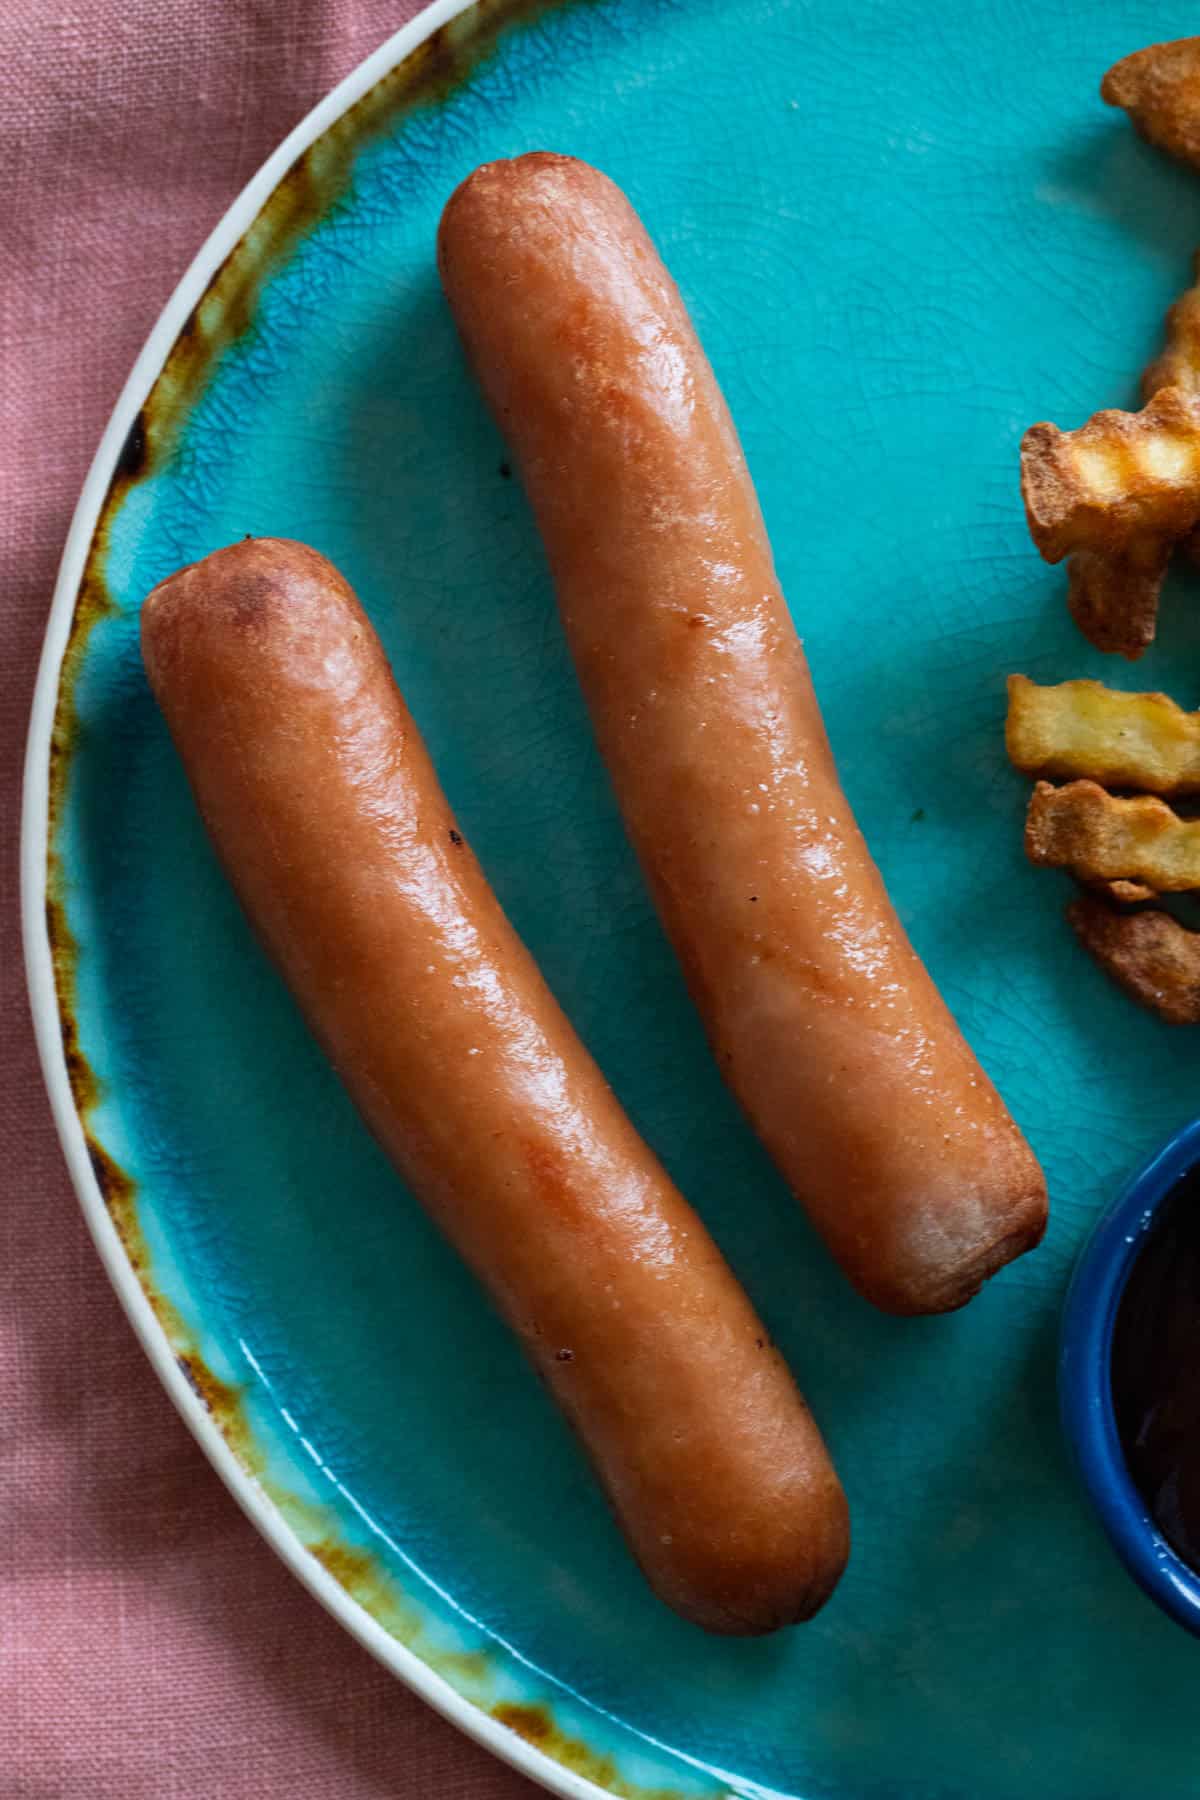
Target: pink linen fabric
(151, 1646)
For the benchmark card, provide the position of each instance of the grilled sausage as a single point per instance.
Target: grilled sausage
(327, 816)
(825, 1022)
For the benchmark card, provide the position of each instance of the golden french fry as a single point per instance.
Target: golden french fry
(1114, 598)
(1115, 581)
(1082, 729)
(1102, 838)
(1159, 88)
(1120, 478)
(1179, 366)
(1150, 954)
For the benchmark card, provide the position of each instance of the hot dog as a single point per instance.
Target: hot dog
(327, 816)
(823, 1018)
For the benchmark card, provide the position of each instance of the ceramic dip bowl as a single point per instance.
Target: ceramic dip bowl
(1121, 1335)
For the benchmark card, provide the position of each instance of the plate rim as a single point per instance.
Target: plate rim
(434, 1689)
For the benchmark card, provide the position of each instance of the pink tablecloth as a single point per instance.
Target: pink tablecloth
(151, 1647)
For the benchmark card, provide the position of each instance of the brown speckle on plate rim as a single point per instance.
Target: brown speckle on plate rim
(434, 70)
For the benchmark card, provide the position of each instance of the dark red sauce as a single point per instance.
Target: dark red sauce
(1156, 1369)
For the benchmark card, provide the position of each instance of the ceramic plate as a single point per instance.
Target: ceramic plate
(905, 231)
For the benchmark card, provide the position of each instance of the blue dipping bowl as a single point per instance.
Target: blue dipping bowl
(1085, 1385)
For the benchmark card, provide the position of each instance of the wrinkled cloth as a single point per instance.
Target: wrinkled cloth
(151, 1645)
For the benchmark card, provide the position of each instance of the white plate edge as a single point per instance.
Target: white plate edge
(262, 1512)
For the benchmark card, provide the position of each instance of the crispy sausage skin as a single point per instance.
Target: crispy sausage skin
(820, 1013)
(327, 816)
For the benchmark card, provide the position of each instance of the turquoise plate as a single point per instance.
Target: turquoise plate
(905, 230)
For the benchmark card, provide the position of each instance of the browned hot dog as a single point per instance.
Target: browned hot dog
(329, 820)
(826, 1024)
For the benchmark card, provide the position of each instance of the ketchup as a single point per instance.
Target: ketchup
(1155, 1369)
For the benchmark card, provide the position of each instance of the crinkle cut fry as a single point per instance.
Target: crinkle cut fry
(1178, 365)
(1102, 838)
(1120, 478)
(1159, 87)
(1149, 954)
(1082, 730)
(1113, 597)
